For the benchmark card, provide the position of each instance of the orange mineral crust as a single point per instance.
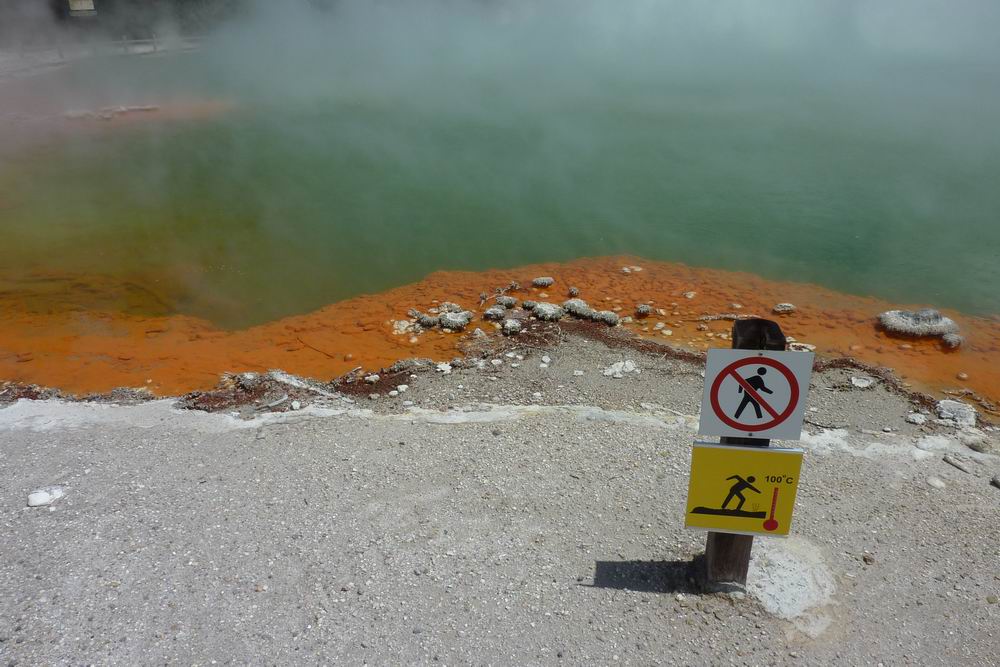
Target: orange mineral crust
(73, 338)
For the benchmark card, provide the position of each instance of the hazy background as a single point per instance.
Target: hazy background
(851, 144)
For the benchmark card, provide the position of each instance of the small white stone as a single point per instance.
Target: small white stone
(862, 382)
(46, 496)
(372, 379)
(39, 498)
(510, 355)
(496, 362)
(689, 295)
(619, 368)
(546, 359)
(936, 482)
(402, 388)
(515, 365)
(407, 404)
(296, 405)
(512, 326)
(393, 393)
(916, 418)
(444, 368)
(537, 394)
(578, 373)
(372, 396)
(543, 365)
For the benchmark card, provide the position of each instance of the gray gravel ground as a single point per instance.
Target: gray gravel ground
(464, 531)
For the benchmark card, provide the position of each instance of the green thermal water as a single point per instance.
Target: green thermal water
(344, 183)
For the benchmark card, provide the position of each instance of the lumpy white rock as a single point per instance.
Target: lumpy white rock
(620, 368)
(918, 323)
(548, 311)
(455, 321)
(512, 326)
(962, 413)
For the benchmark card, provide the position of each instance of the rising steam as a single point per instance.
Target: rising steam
(850, 143)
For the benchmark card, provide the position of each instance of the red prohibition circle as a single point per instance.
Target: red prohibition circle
(793, 386)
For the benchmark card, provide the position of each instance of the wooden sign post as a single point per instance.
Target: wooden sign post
(727, 556)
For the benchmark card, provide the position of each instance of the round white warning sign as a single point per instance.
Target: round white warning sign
(756, 394)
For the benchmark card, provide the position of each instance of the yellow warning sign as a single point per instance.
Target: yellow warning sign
(747, 490)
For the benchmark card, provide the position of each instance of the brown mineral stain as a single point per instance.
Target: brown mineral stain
(73, 338)
(174, 110)
(33, 125)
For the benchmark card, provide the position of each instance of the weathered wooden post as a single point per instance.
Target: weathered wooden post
(727, 556)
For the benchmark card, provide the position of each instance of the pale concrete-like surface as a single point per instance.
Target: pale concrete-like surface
(486, 525)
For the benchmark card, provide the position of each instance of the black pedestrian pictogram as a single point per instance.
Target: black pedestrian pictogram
(757, 383)
(777, 409)
(736, 491)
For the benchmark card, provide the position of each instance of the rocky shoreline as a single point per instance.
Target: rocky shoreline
(169, 356)
(251, 394)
